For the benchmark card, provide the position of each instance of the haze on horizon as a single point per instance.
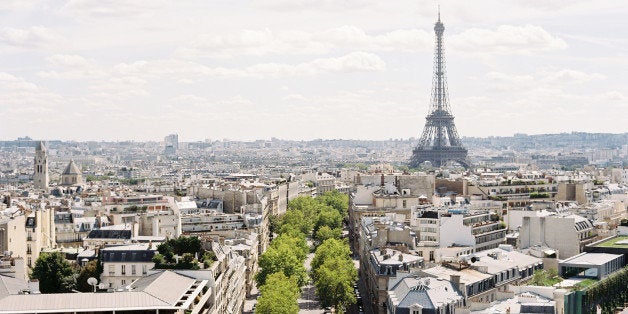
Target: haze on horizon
(306, 69)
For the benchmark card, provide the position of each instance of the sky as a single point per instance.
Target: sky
(306, 69)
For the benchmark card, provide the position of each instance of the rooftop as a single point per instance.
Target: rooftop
(162, 290)
(616, 242)
(591, 259)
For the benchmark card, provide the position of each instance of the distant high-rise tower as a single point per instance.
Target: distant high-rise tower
(40, 177)
(171, 143)
(439, 142)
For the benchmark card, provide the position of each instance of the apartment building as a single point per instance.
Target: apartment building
(568, 234)
(123, 264)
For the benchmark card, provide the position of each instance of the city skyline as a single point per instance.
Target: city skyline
(94, 70)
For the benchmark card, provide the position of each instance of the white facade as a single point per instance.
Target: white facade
(126, 263)
(566, 234)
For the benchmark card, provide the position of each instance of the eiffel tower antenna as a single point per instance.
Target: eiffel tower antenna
(439, 142)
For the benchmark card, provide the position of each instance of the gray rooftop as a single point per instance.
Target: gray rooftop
(591, 259)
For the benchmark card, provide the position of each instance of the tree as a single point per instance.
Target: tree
(183, 245)
(334, 281)
(91, 269)
(336, 200)
(325, 233)
(281, 258)
(295, 219)
(54, 272)
(166, 251)
(295, 241)
(279, 295)
(306, 205)
(328, 216)
(328, 249)
(159, 260)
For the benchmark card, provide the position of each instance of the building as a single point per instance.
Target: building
(379, 195)
(613, 245)
(13, 236)
(567, 234)
(71, 230)
(171, 144)
(230, 280)
(474, 286)
(40, 176)
(591, 265)
(72, 175)
(506, 265)
(110, 235)
(410, 294)
(382, 265)
(456, 228)
(385, 246)
(40, 232)
(169, 292)
(572, 191)
(123, 264)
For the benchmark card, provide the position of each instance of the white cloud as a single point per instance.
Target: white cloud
(264, 42)
(569, 76)
(186, 71)
(353, 62)
(12, 5)
(23, 101)
(550, 78)
(88, 10)
(506, 39)
(325, 5)
(73, 67)
(29, 38)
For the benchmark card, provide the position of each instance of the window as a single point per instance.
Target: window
(132, 269)
(123, 269)
(144, 270)
(404, 203)
(112, 270)
(123, 282)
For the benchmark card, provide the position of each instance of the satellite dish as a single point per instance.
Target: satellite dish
(92, 281)
(102, 285)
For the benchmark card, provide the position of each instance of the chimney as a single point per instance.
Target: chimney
(382, 180)
(400, 257)
(455, 279)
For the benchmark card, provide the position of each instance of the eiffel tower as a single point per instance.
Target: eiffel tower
(439, 142)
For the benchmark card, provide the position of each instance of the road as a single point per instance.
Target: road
(308, 302)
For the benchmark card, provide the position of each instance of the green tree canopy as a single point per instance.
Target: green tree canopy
(91, 269)
(328, 216)
(328, 249)
(54, 272)
(295, 220)
(306, 205)
(325, 233)
(279, 295)
(281, 258)
(337, 200)
(334, 282)
(295, 241)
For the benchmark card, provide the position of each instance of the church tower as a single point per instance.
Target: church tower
(40, 177)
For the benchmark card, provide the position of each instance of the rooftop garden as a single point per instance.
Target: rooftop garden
(613, 242)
